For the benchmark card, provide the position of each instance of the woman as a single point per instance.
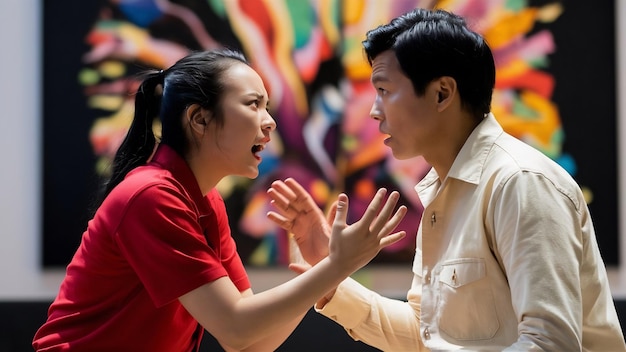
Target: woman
(157, 265)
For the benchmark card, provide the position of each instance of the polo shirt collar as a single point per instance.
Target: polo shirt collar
(168, 159)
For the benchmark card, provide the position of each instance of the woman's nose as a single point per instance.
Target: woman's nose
(268, 122)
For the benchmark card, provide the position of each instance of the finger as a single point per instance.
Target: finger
(392, 223)
(280, 220)
(330, 217)
(299, 268)
(296, 188)
(277, 217)
(278, 199)
(284, 189)
(276, 186)
(292, 196)
(301, 200)
(385, 213)
(372, 209)
(341, 214)
(391, 239)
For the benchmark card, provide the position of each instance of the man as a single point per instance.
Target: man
(506, 255)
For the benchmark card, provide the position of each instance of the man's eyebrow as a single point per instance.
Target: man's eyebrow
(376, 78)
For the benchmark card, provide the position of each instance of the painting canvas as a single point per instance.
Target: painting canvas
(309, 54)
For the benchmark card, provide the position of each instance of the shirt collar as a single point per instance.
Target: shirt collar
(168, 159)
(470, 160)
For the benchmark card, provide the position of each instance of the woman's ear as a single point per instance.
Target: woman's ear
(446, 90)
(196, 118)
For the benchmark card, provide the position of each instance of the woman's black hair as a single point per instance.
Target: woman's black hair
(194, 79)
(434, 43)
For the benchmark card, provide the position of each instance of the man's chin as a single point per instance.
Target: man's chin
(400, 156)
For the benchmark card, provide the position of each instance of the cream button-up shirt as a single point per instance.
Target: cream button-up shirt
(506, 260)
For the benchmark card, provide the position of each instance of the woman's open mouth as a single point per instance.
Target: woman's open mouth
(256, 149)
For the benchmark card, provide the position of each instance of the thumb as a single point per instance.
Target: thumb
(299, 268)
(341, 213)
(330, 218)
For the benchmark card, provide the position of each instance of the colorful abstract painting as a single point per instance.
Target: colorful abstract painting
(309, 54)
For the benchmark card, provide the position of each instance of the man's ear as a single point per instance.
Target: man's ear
(196, 118)
(446, 89)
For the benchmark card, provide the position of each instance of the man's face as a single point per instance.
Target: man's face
(411, 121)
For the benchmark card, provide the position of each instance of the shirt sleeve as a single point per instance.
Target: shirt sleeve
(160, 236)
(228, 248)
(384, 323)
(540, 244)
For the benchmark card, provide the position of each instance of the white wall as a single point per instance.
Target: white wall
(20, 157)
(19, 149)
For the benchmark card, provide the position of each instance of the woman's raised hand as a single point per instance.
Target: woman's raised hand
(353, 246)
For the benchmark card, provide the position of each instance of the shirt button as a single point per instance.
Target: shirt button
(426, 334)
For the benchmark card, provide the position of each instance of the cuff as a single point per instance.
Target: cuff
(350, 305)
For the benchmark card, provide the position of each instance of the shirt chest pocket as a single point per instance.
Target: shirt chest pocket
(466, 305)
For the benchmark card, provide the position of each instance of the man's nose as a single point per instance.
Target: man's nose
(376, 112)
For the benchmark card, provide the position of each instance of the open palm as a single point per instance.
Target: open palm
(297, 212)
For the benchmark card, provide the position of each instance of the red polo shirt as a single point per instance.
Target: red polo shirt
(153, 239)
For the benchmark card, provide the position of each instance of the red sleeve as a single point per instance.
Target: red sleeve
(160, 236)
(229, 256)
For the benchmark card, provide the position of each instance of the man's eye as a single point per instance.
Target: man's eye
(382, 91)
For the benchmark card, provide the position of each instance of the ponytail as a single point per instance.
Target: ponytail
(139, 142)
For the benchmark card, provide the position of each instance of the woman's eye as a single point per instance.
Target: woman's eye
(382, 91)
